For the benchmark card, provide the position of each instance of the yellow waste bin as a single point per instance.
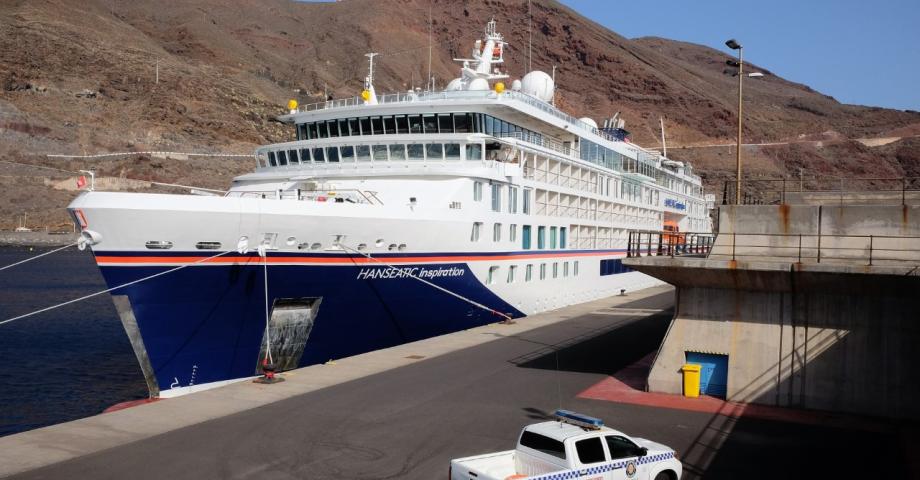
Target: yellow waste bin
(691, 379)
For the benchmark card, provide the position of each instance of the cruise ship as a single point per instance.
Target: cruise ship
(388, 218)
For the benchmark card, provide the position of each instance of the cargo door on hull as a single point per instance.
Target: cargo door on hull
(289, 329)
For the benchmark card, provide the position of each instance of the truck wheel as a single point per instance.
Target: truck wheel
(665, 475)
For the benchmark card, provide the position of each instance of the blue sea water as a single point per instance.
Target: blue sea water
(67, 363)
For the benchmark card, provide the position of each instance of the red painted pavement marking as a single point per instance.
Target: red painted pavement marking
(628, 386)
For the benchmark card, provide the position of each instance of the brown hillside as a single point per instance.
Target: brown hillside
(226, 67)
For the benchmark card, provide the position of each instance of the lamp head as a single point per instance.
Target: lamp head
(733, 44)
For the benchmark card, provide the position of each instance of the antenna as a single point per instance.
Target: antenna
(664, 145)
(430, 3)
(554, 85)
(370, 73)
(530, 40)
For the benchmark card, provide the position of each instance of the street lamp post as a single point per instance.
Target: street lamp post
(734, 45)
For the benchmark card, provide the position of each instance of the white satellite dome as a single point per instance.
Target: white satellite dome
(538, 84)
(454, 85)
(516, 85)
(479, 84)
(589, 121)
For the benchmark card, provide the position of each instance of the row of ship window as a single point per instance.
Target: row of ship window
(493, 274)
(377, 153)
(429, 123)
(558, 236)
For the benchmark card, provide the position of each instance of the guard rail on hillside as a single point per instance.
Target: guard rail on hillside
(806, 248)
(776, 191)
(645, 243)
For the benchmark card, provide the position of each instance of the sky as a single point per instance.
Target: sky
(859, 52)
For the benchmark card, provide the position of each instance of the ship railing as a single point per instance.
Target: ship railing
(825, 191)
(339, 195)
(644, 243)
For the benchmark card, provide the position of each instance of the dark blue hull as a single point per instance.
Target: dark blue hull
(205, 323)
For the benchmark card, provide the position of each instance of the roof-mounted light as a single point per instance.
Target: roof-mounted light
(577, 419)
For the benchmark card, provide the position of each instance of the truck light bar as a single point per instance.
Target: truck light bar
(578, 419)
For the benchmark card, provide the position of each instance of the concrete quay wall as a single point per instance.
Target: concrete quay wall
(809, 336)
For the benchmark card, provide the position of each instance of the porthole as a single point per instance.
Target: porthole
(207, 245)
(303, 246)
(392, 247)
(379, 243)
(291, 241)
(362, 246)
(158, 245)
(316, 246)
(402, 247)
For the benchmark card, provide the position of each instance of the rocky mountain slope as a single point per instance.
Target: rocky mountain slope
(209, 75)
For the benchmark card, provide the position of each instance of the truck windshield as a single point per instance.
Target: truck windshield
(543, 444)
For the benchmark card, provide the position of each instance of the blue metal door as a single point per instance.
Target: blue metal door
(714, 372)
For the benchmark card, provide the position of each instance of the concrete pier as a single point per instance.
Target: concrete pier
(814, 307)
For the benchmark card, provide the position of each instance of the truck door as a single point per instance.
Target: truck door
(623, 450)
(592, 460)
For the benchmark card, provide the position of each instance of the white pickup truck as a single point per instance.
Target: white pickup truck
(573, 447)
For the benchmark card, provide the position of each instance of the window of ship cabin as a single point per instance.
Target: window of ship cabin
(397, 153)
(474, 235)
(542, 271)
(348, 153)
(496, 198)
(282, 158)
(415, 124)
(311, 131)
(477, 191)
(365, 124)
(322, 131)
(511, 271)
(435, 151)
(271, 159)
(304, 155)
(512, 233)
(380, 153)
(353, 127)
(402, 124)
(527, 201)
(292, 157)
(300, 131)
(474, 152)
(364, 153)
(497, 232)
(477, 123)
(445, 123)
(528, 272)
(332, 154)
(525, 237)
(565, 269)
(430, 123)
(389, 125)
(555, 269)
(376, 126)
(493, 274)
(452, 151)
(333, 127)
(552, 237)
(319, 155)
(489, 124)
(416, 151)
(575, 268)
(512, 199)
(562, 235)
(343, 127)
(462, 122)
(541, 237)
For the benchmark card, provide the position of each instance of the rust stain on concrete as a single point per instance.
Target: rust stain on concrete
(784, 217)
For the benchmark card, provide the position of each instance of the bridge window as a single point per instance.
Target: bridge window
(333, 127)
(304, 155)
(452, 151)
(311, 131)
(322, 130)
(353, 128)
(415, 124)
(348, 153)
(397, 153)
(435, 151)
(402, 124)
(380, 153)
(364, 153)
(430, 123)
(474, 151)
(271, 159)
(282, 158)
(332, 154)
(462, 122)
(365, 124)
(319, 156)
(343, 127)
(292, 157)
(416, 151)
(389, 125)
(376, 126)
(445, 123)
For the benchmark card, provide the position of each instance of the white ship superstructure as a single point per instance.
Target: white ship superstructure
(500, 202)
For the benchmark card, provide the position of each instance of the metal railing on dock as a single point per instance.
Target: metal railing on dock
(645, 243)
(813, 248)
(826, 190)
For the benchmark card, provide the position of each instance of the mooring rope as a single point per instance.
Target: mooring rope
(268, 333)
(128, 284)
(410, 275)
(39, 256)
